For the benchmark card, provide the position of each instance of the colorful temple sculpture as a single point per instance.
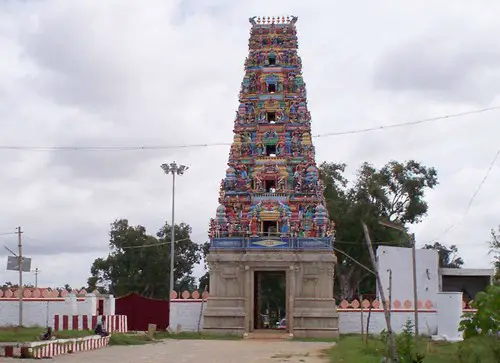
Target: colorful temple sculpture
(272, 214)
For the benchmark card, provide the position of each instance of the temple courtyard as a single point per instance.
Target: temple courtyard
(210, 351)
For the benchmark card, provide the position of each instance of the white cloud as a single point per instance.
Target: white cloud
(90, 73)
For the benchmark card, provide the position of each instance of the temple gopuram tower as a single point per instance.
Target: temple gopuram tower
(271, 234)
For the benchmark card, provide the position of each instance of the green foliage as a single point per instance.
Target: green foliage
(467, 353)
(140, 262)
(486, 319)
(494, 245)
(395, 193)
(205, 279)
(406, 346)
(447, 256)
(351, 349)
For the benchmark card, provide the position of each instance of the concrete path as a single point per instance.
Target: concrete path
(206, 351)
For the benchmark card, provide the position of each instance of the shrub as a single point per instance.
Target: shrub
(486, 319)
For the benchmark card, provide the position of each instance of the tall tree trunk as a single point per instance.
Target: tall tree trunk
(349, 279)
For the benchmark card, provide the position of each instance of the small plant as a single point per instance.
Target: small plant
(406, 347)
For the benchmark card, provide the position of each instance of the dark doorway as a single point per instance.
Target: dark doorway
(271, 117)
(270, 186)
(270, 300)
(100, 307)
(271, 88)
(269, 228)
(271, 150)
(272, 61)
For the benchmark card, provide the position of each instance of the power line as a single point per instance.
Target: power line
(476, 192)
(410, 123)
(7, 233)
(166, 147)
(155, 244)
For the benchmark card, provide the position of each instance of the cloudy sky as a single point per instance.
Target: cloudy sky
(157, 72)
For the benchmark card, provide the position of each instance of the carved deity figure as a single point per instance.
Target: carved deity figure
(254, 226)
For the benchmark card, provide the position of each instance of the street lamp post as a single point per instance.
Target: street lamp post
(173, 169)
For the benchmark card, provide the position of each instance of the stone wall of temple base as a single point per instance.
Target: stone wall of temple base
(315, 318)
(224, 316)
(310, 307)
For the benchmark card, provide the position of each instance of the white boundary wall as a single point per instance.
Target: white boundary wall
(186, 313)
(41, 311)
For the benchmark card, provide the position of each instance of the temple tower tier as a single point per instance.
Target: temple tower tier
(272, 215)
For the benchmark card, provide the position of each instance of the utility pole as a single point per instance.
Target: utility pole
(382, 294)
(37, 272)
(173, 169)
(20, 290)
(415, 294)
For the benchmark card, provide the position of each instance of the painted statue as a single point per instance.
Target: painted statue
(254, 226)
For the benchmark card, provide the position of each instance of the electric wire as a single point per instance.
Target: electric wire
(167, 147)
(155, 244)
(471, 200)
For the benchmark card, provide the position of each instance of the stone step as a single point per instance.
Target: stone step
(265, 334)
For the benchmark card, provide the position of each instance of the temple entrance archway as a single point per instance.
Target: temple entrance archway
(270, 300)
(269, 228)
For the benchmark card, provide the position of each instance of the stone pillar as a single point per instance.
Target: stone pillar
(248, 297)
(291, 298)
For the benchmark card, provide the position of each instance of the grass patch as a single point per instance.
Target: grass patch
(143, 338)
(202, 336)
(129, 339)
(350, 349)
(319, 340)
(16, 334)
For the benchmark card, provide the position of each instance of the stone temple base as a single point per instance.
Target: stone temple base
(311, 309)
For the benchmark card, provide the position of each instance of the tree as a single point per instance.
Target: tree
(494, 245)
(205, 279)
(447, 256)
(394, 193)
(10, 285)
(139, 262)
(186, 283)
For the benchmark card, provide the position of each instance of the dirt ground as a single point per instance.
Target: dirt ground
(207, 351)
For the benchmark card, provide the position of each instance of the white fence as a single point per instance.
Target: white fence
(41, 311)
(433, 320)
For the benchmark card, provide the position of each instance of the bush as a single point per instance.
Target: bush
(406, 347)
(486, 319)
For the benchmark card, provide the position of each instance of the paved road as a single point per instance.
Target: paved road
(206, 351)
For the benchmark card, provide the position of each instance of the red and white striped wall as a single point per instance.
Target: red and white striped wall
(49, 349)
(113, 323)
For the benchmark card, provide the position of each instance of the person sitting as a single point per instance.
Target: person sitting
(99, 328)
(47, 335)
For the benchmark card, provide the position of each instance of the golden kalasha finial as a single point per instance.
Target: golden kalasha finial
(273, 20)
(258, 20)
